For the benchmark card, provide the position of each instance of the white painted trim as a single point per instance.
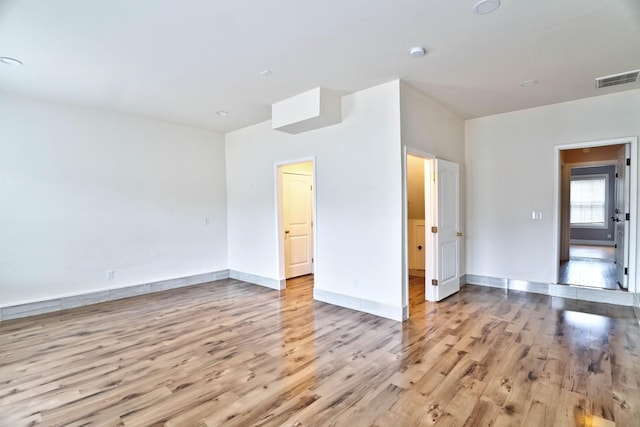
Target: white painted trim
(633, 201)
(31, 308)
(277, 284)
(405, 222)
(277, 167)
(359, 304)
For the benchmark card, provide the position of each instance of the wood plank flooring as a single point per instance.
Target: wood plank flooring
(234, 354)
(591, 266)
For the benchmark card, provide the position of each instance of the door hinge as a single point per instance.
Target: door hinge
(311, 188)
(434, 229)
(616, 174)
(627, 217)
(626, 271)
(434, 282)
(628, 162)
(615, 246)
(312, 259)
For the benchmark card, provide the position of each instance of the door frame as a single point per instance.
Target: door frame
(279, 215)
(405, 224)
(633, 201)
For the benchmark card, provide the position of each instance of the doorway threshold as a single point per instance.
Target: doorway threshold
(585, 293)
(606, 296)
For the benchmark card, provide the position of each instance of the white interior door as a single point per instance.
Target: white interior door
(443, 254)
(297, 206)
(620, 217)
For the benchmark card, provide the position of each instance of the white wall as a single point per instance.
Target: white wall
(359, 203)
(510, 172)
(83, 191)
(415, 187)
(431, 128)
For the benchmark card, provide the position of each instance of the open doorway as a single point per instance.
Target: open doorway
(416, 230)
(432, 233)
(595, 216)
(296, 215)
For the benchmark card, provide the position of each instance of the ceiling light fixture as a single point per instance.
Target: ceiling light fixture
(222, 113)
(484, 7)
(529, 83)
(10, 61)
(417, 51)
(266, 73)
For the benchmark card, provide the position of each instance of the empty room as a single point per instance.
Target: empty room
(278, 213)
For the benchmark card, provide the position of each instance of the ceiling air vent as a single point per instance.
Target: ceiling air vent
(617, 79)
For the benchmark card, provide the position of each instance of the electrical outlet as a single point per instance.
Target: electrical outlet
(111, 274)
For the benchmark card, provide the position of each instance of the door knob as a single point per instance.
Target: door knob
(419, 247)
(459, 234)
(286, 231)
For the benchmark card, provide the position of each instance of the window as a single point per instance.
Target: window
(589, 200)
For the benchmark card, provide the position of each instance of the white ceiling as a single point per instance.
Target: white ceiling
(183, 60)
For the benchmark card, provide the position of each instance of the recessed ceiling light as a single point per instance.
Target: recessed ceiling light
(222, 113)
(417, 51)
(266, 73)
(529, 83)
(10, 61)
(484, 7)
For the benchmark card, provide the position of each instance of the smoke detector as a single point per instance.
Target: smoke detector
(417, 51)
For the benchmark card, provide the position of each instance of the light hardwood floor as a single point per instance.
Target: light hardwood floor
(234, 354)
(591, 266)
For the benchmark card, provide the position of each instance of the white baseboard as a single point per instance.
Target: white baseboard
(359, 304)
(258, 280)
(65, 302)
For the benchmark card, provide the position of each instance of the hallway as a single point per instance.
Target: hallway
(591, 266)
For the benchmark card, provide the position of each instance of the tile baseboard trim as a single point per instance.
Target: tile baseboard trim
(636, 306)
(610, 243)
(57, 304)
(258, 280)
(359, 304)
(555, 290)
